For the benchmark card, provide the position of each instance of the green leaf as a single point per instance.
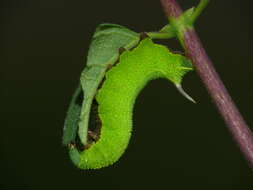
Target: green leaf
(72, 118)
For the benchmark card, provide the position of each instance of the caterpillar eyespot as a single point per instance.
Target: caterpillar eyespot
(115, 100)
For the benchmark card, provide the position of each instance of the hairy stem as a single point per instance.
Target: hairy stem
(205, 69)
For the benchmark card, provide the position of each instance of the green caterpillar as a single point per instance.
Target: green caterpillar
(98, 125)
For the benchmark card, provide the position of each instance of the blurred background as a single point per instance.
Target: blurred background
(175, 144)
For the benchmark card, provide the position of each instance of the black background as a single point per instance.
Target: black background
(175, 144)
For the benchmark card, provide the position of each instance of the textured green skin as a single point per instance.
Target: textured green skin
(103, 53)
(117, 96)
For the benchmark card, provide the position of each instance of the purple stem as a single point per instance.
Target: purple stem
(204, 67)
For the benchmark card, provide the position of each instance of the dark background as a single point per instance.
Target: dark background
(175, 144)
